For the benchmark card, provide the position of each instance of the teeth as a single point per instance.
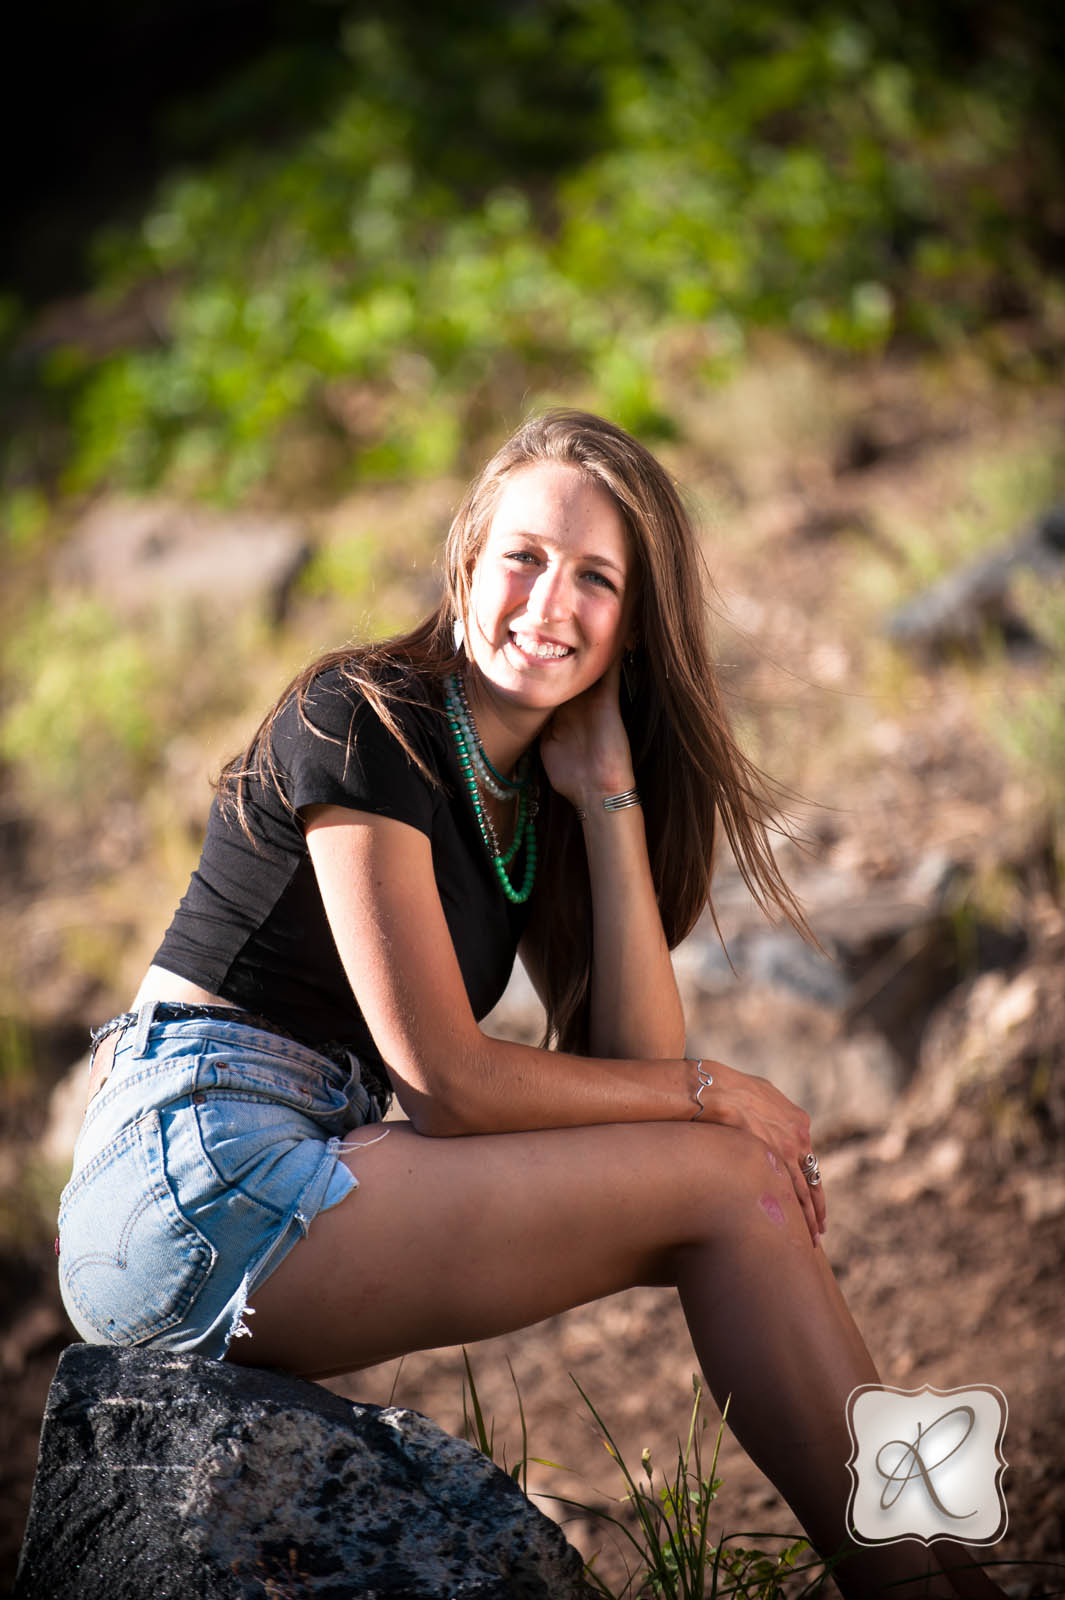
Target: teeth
(546, 652)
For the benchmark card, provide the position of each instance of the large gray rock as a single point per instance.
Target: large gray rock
(957, 614)
(893, 952)
(169, 1476)
(141, 554)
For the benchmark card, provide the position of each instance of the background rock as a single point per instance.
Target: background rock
(139, 554)
(169, 1475)
(957, 613)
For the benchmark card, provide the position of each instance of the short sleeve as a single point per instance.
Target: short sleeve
(338, 752)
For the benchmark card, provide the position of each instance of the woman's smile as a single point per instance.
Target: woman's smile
(540, 650)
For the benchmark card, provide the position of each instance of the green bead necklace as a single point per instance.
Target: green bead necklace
(464, 733)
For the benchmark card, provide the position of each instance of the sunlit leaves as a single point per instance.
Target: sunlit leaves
(532, 202)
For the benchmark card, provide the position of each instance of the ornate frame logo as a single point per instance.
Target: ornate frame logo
(927, 1463)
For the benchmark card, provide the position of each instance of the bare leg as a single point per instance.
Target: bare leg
(453, 1240)
(776, 1401)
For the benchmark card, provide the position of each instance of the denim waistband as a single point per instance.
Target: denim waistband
(341, 1055)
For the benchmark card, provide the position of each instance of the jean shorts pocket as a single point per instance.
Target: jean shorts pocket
(251, 1073)
(131, 1264)
(263, 1150)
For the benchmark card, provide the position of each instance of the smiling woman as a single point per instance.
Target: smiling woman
(541, 768)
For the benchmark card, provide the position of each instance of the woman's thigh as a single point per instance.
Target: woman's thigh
(452, 1240)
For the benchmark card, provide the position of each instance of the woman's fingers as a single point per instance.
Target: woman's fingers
(585, 741)
(582, 760)
(811, 1174)
(812, 1202)
(811, 1195)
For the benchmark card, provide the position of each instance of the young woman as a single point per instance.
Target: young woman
(541, 767)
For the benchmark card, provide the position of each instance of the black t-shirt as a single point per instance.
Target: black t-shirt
(251, 926)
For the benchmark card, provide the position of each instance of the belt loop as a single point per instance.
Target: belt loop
(145, 1019)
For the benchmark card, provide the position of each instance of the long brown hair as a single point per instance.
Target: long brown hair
(690, 772)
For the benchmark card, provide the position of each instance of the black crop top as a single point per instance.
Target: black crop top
(251, 926)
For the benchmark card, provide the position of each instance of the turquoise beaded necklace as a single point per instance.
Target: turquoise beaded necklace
(487, 776)
(468, 747)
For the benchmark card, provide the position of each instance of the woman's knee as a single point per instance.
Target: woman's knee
(714, 1179)
(745, 1192)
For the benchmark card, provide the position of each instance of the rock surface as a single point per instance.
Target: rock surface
(139, 554)
(168, 1475)
(957, 613)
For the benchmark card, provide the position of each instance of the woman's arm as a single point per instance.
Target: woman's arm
(635, 1005)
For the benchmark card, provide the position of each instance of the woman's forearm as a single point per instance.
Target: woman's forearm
(635, 1006)
(504, 1087)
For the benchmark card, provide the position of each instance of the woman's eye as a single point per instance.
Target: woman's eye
(601, 578)
(523, 556)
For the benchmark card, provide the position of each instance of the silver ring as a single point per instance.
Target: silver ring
(811, 1171)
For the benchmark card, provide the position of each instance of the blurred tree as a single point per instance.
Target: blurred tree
(459, 205)
(123, 89)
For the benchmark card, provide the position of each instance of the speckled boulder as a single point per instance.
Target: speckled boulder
(169, 1476)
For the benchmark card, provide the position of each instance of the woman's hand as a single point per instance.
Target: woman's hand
(742, 1100)
(585, 748)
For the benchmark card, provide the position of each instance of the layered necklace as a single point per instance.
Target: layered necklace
(479, 773)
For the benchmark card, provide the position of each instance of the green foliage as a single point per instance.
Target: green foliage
(24, 516)
(80, 717)
(16, 1056)
(487, 208)
(342, 570)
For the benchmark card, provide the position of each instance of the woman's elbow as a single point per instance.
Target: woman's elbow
(442, 1108)
(435, 1121)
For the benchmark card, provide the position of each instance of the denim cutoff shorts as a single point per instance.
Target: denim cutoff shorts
(202, 1160)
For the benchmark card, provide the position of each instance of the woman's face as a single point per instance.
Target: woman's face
(553, 590)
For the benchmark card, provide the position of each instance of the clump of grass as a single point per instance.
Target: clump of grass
(676, 1557)
(483, 1434)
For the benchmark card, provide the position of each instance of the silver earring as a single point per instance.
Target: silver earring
(458, 632)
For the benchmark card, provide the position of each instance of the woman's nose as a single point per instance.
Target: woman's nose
(548, 598)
